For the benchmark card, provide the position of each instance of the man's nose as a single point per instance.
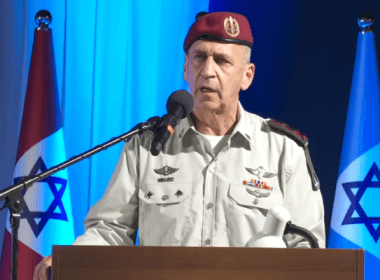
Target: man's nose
(209, 67)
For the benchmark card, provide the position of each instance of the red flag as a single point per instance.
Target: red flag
(46, 218)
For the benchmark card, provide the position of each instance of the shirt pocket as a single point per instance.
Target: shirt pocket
(247, 208)
(163, 213)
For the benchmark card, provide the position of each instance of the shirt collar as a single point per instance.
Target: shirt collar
(243, 130)
(184, 127)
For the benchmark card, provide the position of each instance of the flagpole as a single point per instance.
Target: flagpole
(17, 204)
(354, 222)
(14, 199)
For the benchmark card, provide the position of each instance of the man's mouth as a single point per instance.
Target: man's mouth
(207, 89)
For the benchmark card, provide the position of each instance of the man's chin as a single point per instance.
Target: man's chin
(208, 106)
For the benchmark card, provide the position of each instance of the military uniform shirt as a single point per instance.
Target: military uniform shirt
(189, 196)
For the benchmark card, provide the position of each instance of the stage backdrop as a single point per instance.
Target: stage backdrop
(114, 59)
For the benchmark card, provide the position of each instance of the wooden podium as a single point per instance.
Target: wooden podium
(122, 262)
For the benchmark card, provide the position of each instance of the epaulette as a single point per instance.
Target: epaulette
(289, 131)
(302, 141)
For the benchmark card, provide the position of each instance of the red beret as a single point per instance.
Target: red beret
(224, 27)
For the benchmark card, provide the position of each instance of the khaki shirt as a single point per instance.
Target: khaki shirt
(202, 199)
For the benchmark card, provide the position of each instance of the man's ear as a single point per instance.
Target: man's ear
(185, 67)
(249, 73)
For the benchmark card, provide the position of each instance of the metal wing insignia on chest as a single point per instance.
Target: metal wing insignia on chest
(257, 193)
(166, 171)
(260, 172)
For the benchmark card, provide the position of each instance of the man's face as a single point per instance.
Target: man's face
(216, 72)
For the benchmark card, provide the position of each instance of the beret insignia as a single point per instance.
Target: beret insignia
(221, 27)
(231, 26)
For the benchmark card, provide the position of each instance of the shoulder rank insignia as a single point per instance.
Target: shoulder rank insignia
(302, 141)
(297, 136)
(166, 171)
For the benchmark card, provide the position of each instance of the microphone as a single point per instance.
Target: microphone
(276, 225)
(179, 106)
(272, 234)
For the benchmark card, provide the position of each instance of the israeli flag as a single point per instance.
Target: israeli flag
(356, 212)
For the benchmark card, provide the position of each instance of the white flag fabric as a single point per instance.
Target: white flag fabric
(46, 219)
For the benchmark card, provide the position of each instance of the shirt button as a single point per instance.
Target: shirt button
(181, 133)
(209, 206)
(208, 242)
(255, 201)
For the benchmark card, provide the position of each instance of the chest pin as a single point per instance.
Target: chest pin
(149, 194)
(178, 193)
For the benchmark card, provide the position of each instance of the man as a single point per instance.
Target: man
(222, 170)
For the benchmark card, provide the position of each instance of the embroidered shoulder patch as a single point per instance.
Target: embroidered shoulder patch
(294, 134)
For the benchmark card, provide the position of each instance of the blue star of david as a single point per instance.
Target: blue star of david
(52, 181)
(355, 205)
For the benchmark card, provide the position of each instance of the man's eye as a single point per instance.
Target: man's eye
(221, 60)
(199, 57)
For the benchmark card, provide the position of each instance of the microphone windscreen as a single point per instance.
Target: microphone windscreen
(182, 98)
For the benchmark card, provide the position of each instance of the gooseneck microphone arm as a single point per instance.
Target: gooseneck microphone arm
(293, 229)
(277, 224)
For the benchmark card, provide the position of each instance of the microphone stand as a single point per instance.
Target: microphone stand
(15, 201)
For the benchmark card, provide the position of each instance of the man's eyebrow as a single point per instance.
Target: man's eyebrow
(222, 55)
(198, 51)
(216, 54)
